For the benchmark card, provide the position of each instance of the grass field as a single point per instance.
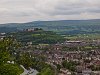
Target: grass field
(83, 36)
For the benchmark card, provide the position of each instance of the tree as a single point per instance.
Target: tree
(25, 60)
(7, 68)
(69, 65)
(46, 71)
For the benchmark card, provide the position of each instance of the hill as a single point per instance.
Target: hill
(37, 37)
(61, 26)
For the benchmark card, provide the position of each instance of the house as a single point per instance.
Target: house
(65, 71)
(87, 72)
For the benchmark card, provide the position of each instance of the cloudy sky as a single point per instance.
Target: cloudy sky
(32, 10)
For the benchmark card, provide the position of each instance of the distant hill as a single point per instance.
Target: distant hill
(8, 29)
(61, 26)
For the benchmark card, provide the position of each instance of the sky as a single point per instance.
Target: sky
(19, 11)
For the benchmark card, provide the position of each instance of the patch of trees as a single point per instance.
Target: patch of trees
(38, 37)
(5, 56)
(70, 65)
(36, 62)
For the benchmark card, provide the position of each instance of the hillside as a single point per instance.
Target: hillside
(61, 26)
(37, 37)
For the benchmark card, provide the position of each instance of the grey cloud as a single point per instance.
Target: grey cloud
(30, 10)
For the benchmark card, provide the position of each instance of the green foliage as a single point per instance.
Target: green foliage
(10, 69)
(46, 71)
(69, 65)
(25, 60)
(39, 64)
(36, 62)
(6, 68)
(58, 66)
(4, 53)
(4, 57)
(38, 37)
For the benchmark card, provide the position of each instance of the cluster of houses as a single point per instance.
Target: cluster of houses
(85, 60)
(2, 36)
(88, 61)
(32, 29)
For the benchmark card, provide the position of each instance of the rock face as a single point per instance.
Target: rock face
(29, 72)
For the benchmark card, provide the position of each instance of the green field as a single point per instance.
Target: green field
(83, 36)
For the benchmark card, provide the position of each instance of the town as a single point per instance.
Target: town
(86, 61)
(71, 57)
